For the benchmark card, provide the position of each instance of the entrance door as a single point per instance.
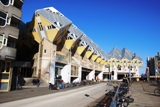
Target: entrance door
(5, 76)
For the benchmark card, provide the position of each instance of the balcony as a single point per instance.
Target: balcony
(12, 11)
(7, 52)
(9, 30)
(18, 3)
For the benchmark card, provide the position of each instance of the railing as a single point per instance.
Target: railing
(114, 101)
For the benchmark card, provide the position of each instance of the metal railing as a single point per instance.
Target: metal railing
(114, 101)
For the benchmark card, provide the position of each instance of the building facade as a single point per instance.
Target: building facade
(154, 64)
(54, 47)
(10, 17)
(77, 57)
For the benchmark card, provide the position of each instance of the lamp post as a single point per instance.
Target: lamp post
(129, 72)
(109, 82)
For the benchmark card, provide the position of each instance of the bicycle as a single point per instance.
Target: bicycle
(157, 91)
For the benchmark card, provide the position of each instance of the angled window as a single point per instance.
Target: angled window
(1, 41)
(3, 18)
(119, 67)
(51, 27)
(11, 42)
(6, 2)
(69, 38)
(59, 14)
(2, 65)
(36, 15)
(40, 26)
(58, 24)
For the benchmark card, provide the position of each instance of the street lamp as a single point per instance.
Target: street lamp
(130, 72)
(108, 66)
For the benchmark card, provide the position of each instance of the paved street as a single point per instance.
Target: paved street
(142, 92)
(71, 98)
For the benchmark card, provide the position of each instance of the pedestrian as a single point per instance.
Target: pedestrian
(62, 84)
(125, 80)
(96, 79)
(34, 81)
(92, 80)
(37, 82)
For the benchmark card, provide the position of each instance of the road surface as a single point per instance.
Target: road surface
(70, 98)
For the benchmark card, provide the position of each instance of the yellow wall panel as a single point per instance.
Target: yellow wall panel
(139, 63)
(111, 60)
(80, 49)
(52, 34)
(102, 61)
(123, 60)
(98, 59)
(36, 37)
(105, 63)
(69, 43)
(88, 54)
(44, 21)
(94, 57)
(35, 23)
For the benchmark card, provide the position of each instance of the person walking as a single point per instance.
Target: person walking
(125, 80)
(62, 84)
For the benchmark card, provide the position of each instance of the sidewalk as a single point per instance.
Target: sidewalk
(30, 91)
(143, 94)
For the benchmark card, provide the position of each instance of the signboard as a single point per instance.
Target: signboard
(155, 70)
(47, 73)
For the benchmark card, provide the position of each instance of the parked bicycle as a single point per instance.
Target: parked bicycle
(157, 91)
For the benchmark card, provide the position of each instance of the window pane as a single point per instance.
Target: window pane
(3, 15)
(2, 22)
(4, 76)
(5, 2)
(2, 65)
(3, 86)
(8, 66)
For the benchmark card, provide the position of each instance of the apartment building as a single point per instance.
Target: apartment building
(54, 46)
(10, 17)
(75, 56)
(154, 64)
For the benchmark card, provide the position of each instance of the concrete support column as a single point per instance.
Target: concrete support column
(91, 75)
(103, 70)
(100, 76)
(137, 72)
(52, 72)
(78, 79)
(66, 73)
(79, 74)
(115, 73)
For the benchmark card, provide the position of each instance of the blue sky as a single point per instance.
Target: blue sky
(134, 24)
